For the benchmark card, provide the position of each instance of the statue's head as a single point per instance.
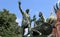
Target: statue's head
(27, 11)
(40, 14)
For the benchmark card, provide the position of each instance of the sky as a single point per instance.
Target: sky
(35, 6)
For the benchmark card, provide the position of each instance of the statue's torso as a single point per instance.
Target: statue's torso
(26, 18)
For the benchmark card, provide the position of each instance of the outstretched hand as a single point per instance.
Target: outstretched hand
(19, 3)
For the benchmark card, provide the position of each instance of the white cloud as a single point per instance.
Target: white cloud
(19, 21)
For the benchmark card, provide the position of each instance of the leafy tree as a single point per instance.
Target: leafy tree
(8, 25)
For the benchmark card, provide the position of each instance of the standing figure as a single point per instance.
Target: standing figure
(26, 18)
(41, 19)
(34, 19)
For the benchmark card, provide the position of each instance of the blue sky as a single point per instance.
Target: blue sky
(35, 6)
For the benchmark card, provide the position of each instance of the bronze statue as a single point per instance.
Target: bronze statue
(39, 24)
(26, 19)
(41, 19)
(34, 19)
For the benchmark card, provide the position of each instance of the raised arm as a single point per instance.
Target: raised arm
(20, 7)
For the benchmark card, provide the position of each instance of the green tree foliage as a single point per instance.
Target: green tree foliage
(8, 25)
